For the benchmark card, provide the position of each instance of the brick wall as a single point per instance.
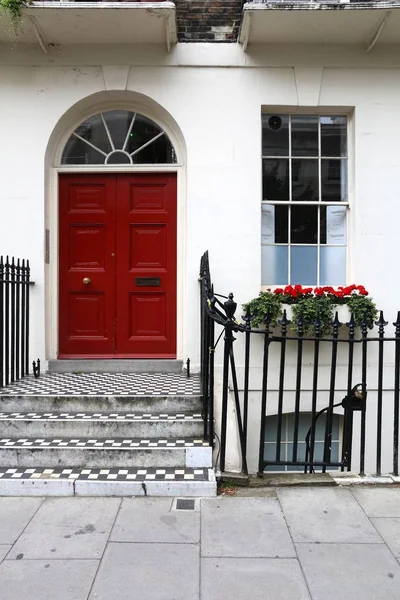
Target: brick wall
(208, 20)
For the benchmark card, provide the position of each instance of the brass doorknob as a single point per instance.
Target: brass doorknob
(86, 280)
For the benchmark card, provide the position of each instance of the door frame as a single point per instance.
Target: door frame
(52, 240)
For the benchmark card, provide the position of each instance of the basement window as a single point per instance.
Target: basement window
(286, 446)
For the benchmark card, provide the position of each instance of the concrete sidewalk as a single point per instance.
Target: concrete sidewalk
(289, 544)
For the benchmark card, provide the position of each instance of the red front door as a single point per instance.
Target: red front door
(117, 266)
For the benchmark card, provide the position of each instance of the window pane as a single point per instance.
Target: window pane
(334, 180)
(333, 265)
(274, 224)
(159, 151)
(333, 225)
(142, 132)
(334, 136)
(275, 179)
(274, 265)
(118, 122)
(303, 226)
(305, 421)
(305, 180)
(77, 152)
(271, 423)
(275, 135)
(118, 158)
(319, 452)
(93, 131)
(270, 454)
(304, 135)
(303, 268)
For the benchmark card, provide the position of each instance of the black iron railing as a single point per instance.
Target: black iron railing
(335, 371)
(14, 319)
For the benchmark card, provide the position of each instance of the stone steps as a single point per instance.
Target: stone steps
(58, 428)
(101, 425)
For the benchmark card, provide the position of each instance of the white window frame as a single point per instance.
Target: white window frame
(347, 112)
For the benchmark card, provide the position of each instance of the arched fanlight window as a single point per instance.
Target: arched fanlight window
(118, 137)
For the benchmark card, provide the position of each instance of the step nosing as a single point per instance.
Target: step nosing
(107, 474)
(102, 417)
(80, 443)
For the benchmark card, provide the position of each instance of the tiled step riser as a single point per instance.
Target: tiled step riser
(96, 429)
(153, 404)
(91, 458)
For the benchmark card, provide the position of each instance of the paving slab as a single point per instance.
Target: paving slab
(15, 514)
(68, 528)
(350, 571)
(46, 580)
(326, 515)
(389, 529)
(244, 527)
(255, 578)
(4, 550)
(379, 502)
(148, 572)
(151, 520)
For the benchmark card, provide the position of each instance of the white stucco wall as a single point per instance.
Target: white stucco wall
(215, 95)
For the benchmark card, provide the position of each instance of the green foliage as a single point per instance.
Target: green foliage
(362, 306)
(312, 308)
(266, 303)
(14, 10)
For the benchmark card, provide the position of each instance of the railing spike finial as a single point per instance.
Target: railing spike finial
(336, 324)
(397, 324)
(364, 325)
(317, 326)
(300, 325)
(381, 323)
(267, 319)
(247, 318)
(351, 325)
(284, 322)
(230, 306)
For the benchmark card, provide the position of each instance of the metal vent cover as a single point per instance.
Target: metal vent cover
(185, 504)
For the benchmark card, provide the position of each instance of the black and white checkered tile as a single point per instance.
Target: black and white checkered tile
(106, 444)
(139, 474)
(101, 416)
(105, 384)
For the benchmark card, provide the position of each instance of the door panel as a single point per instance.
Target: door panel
(120, 232)
(86, 244)
(146, 248)
(147, 311)
(87, 315)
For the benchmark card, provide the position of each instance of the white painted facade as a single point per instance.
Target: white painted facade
(208, 98)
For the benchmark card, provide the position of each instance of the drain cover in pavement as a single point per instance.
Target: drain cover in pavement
(185, 504)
